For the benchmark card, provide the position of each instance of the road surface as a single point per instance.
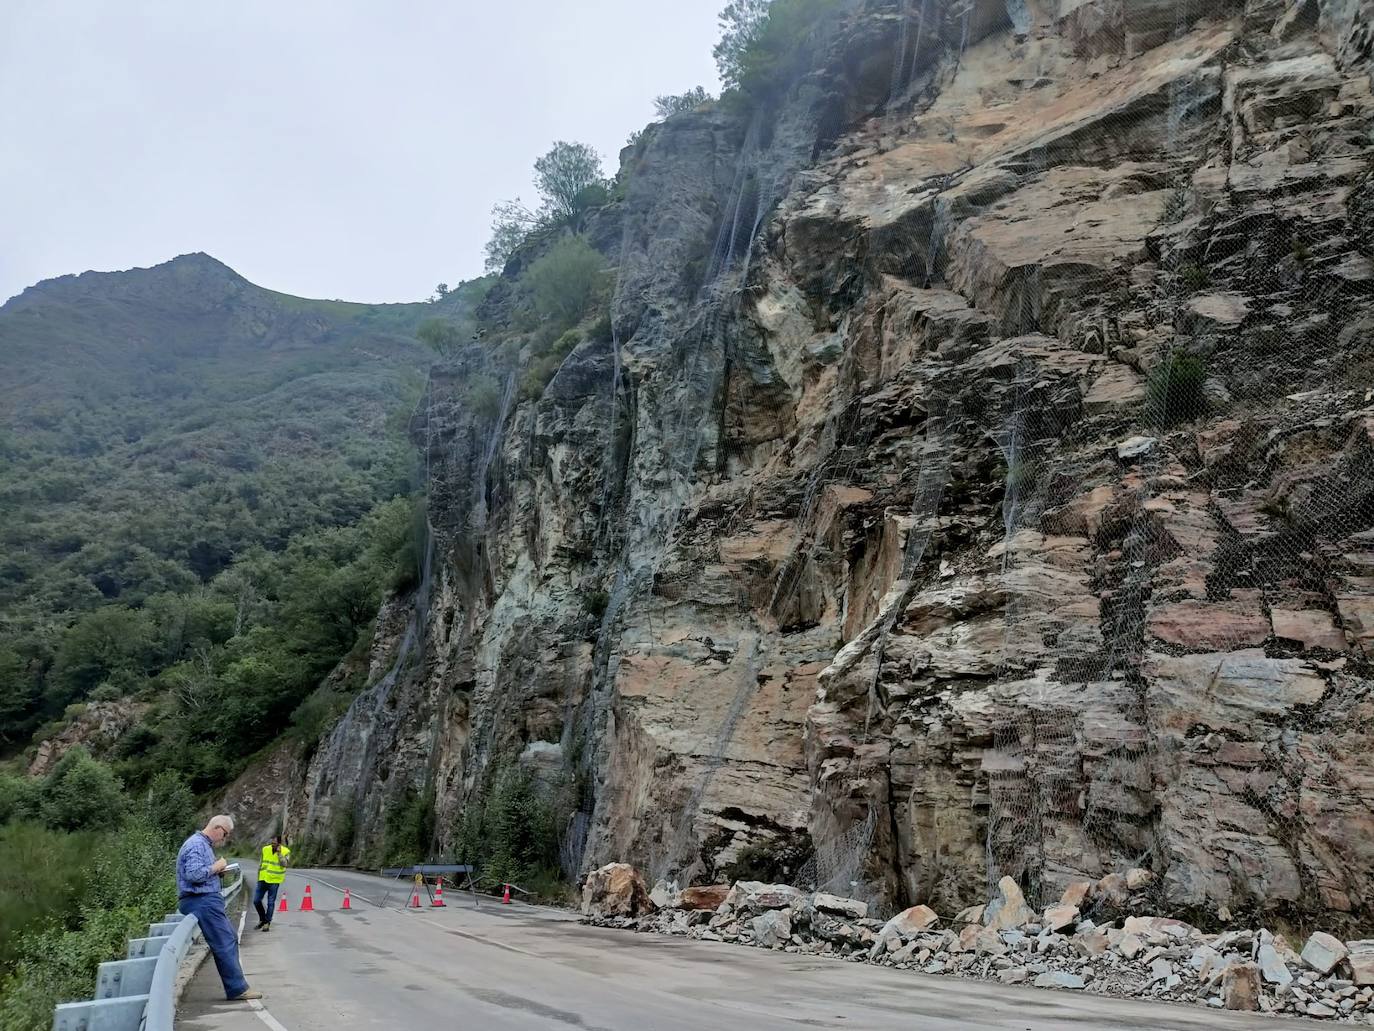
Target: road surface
(497, 967)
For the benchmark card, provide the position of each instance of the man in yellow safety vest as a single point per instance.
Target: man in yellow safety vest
(271, 872)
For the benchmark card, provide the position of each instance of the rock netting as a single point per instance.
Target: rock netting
(893, 564)
(1094, 939)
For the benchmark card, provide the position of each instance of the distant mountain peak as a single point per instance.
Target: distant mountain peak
(207, 273)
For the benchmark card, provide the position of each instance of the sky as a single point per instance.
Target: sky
(328, 148)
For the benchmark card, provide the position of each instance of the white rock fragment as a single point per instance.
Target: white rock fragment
(1272, 966)
(1323, 951)
(1135, 447)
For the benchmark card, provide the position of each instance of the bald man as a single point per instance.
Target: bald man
(198, 889)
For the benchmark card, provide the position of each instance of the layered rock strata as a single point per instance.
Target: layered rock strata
(979, 483)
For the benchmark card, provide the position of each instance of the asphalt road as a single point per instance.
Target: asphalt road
(522, 967)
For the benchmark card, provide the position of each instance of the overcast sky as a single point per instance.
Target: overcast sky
(328, 148)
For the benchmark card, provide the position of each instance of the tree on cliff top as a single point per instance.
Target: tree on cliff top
(762, 41)
(570, 182)
(671, 104)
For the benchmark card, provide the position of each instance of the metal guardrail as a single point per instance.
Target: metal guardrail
(136, 993)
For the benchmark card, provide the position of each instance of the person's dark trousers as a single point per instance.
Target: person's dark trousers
(223, 942)
(266, 892)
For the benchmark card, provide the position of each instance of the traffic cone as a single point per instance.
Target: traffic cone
(307, 903)
(348, 904)
(438, 895)
(282, 907)
(415, 899)
(505, 898)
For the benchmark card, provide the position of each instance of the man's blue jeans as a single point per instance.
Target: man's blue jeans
(268, 892)
(223, 942)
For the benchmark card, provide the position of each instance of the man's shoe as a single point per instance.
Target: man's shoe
(261, 925)
(245, 995)
(265, 927)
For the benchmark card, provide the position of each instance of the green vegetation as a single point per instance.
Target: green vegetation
(1176, 206)
(448, 334)
(409, 829)
(770, 860)
(168, 425)
(511, 834)
(83, 866)
(565, 281)
(763, 44)
(1175, 390)
(1192, 276)
(570, 181)
(220, 700)
(672, 104)
(560, 302)
(544, 364)
(208, 490)
(571, 184)
(226, 666)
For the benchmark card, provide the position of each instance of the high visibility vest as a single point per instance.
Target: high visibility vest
(273, 870)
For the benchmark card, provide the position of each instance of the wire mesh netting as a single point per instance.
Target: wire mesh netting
(1178, 580)
(1100, 360)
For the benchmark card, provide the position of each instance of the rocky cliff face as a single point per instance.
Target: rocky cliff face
(1002, 503)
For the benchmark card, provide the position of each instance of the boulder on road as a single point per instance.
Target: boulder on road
(1076, 894)
(757, 896)
(1272, 966)
(910, 921)
(1240, 987)
(852, 908)
(1361, 960)
(1323, 951)
(772, 928)
(1059, 917)
(703, 896)
(615, 889)
(972, 915)
(1009, 910)
(1159, 929)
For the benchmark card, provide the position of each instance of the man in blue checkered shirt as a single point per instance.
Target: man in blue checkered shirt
(198, 889)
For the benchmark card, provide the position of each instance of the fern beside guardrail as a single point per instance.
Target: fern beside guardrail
(138, 992)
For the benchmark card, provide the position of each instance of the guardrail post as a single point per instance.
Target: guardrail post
(100, 1015)
(141, 947)
(120, 978)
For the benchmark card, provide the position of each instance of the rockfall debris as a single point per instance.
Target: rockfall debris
(1097, 938)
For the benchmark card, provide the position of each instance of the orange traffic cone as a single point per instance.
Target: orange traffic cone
(307, 903)
(505, 899)
(438, 900)
(282, 907)
(415, 899)
(348, 900)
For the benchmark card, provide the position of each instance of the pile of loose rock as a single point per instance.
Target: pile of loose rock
(1094, 939)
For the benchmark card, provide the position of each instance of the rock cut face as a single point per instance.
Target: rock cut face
(1009, 519)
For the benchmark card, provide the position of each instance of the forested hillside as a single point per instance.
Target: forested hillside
(185, 459)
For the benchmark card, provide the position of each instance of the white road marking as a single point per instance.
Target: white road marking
(352, 894)
(264, 1016)
(253, 1004)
